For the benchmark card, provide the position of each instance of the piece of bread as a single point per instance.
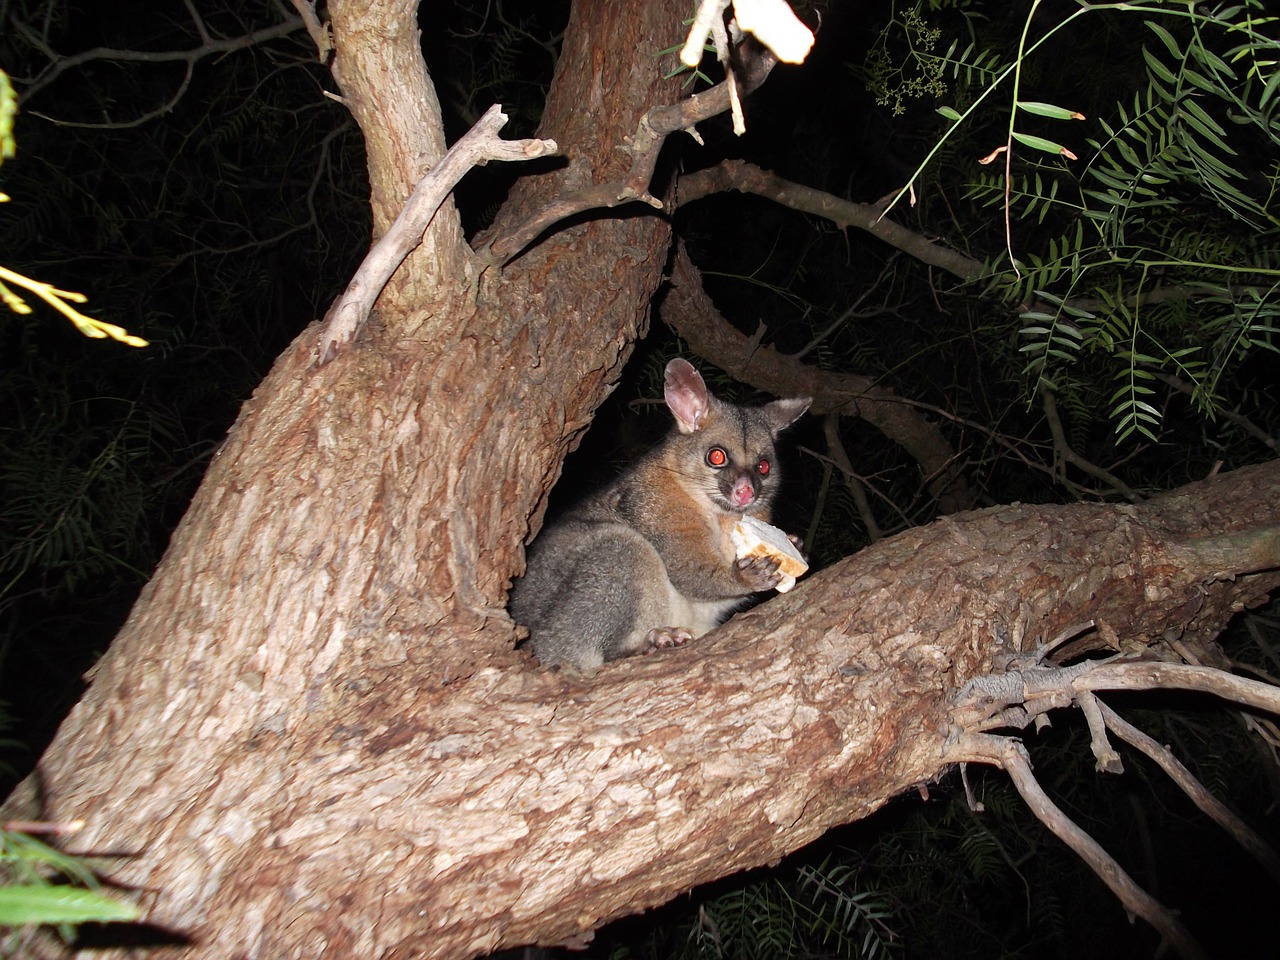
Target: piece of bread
(753, 538)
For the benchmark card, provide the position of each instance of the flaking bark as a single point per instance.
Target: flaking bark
(313, 734)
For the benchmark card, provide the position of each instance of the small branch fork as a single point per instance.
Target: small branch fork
(476, 147)
(208, 45)
(1020, 697)
(481, 144)
(643, 145)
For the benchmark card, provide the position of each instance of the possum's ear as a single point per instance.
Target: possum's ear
(781, 414)
(686, 395)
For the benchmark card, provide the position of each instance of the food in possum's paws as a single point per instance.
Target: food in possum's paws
(754, 538)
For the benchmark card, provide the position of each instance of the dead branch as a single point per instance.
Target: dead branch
(476, 147)
(996, 700)
(1012, 756)
(1245, 835)
(1017, 697)
(1106, 759)
(208, 46)
(643, 146)
(1153, 675)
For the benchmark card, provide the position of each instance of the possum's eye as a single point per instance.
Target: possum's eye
(716, 457)
(763, 467)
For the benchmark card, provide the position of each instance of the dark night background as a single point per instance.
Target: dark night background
(218, 229)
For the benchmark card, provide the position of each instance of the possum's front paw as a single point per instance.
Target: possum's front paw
(659, 638)
(759, 573)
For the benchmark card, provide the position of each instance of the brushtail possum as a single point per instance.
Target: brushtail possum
(647, 562)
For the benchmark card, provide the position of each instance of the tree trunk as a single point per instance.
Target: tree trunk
(342, 571)
(313, 736)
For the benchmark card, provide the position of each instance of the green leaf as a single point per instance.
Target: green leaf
(949, 113)
(1269, 90)
(28, 850)
(1166, 38)
(1040, 143)
(1214, 62)
(1049, 110)
(37, 903)
(1158, 68)
(1205, 125)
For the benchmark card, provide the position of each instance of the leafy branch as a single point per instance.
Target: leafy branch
(1127, 233)
(61, 300)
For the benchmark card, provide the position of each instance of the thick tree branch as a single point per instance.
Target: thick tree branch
(510, 803)
(476, 147)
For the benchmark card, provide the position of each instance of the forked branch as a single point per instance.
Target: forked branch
(1012, 756)
(643, 145)
(476, 147)
(1016, 698)
(1244, 835)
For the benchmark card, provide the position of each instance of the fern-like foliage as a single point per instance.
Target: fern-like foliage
(1167, 237)
(824, 911)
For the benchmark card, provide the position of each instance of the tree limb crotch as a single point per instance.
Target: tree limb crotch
(477, 146)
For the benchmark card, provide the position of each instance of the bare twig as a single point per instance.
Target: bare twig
(1012, 756)
(207, 46)
(1066, 454)
(1193, 788)
(710, 13)
(477, 146)
(748, 178)
(1106, 760)
(852, 310)
(836, 450)
(1245, 424)
(773, 23)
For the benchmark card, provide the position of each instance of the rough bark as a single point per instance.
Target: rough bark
(345, 561)
(312, 736)
(517, 803)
